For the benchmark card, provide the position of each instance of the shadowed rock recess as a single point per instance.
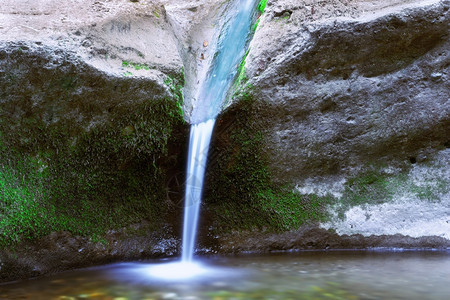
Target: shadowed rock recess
(335, 134)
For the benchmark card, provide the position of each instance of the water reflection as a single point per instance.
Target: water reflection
(306, 275)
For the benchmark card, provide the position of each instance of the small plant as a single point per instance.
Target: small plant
(176, 88)
(136, 66)
(262, 6)
(242, 73)
(256, 25)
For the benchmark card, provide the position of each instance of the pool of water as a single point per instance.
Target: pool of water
(304, 275)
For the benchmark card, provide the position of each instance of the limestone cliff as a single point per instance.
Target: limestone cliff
(352, 107)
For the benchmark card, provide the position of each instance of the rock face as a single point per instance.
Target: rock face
(141, 39)
(352, 91)
(352, 99)
(61, 251)
(103, 34)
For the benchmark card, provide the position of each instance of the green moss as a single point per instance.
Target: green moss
(370, 186)
(262, 6)
(256, 25)
(242, 195)
(239, 87)
(134, 65)
(176, 88)
(107, 180)
(375, 186)
(59, 173)
(27, 212)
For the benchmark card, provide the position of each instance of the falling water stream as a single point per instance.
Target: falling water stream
(231, 49)
(198, 152)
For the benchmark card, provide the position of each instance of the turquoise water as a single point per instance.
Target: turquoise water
(231, 48)
(304, 275)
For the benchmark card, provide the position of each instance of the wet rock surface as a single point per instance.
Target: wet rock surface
(61, 251)
(351, 101)
(313, 238)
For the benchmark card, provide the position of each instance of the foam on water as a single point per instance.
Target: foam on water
(177, 270)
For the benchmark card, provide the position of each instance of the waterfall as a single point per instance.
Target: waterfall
(198, 153)
(231, 49)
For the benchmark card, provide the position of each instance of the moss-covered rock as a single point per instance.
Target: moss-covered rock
(240, 192)
(82, 151)
(345, 125)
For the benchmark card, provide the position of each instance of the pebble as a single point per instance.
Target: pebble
(436, 76)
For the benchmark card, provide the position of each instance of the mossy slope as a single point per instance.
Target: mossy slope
(81, 151)
(240, 192)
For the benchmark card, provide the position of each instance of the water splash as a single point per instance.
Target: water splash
(177, 271)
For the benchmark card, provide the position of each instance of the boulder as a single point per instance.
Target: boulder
(345, 123)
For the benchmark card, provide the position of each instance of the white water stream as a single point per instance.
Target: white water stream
(198, 153)
(230, 50)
